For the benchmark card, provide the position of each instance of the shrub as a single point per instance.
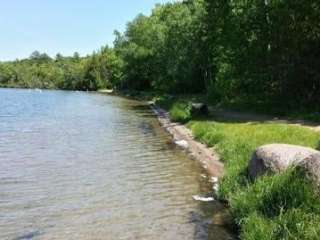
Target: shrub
(180, 112)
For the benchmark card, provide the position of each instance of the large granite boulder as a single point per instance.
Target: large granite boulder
(276, 158)
(311, 167)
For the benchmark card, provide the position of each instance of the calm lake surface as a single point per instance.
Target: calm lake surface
(79, 166)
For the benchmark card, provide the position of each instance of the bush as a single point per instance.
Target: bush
(180, 112)
(164, 101)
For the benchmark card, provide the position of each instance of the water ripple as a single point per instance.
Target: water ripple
(88, 166)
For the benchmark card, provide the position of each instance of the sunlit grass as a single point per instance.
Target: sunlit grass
(274, 207)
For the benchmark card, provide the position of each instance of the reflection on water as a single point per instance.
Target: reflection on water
(88, 166)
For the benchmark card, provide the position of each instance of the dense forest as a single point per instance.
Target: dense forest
(262, 52)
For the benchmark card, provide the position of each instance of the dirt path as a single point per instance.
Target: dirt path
(236, 116)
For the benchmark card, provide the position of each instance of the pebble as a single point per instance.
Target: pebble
(214, 180)
(203, 199)
(182, 143)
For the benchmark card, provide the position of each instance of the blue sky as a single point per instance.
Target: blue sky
(63, 26)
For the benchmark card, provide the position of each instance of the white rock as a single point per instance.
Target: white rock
(182, 143)
(203, 199)
(214, 180)
(216, 188)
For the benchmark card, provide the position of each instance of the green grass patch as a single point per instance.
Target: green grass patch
(283, 206)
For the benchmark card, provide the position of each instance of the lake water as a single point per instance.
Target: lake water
(77, 165)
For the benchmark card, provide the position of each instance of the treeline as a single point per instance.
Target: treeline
(265, 51)
(68, 73)
(262, 52)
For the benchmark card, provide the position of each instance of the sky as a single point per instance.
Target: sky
(63, 26)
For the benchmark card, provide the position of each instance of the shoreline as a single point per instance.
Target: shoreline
(207, 157)
(248, 203)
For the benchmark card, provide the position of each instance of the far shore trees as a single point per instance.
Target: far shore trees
(261, 54)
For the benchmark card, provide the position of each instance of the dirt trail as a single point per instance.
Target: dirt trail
(236, 116)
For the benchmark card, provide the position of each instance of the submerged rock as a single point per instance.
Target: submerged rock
(276, 158)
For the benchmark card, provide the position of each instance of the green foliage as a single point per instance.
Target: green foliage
(264, 52)
(164, 101)
(238, 52)
(100, 70)
(273, 207)
(293, 224)
(161, 52)
(273, 196)
(180, 112)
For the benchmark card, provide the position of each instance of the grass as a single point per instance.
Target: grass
(283, 206)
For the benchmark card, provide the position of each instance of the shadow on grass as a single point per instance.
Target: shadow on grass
(228, 116)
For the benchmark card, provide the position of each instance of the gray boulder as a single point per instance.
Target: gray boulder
(199, 109)
(276, 158)
(311, 167)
